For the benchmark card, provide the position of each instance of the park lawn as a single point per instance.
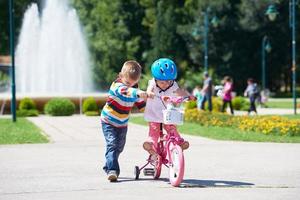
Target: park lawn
(224, 133)
(292, 116)
(20, 132)
(280, 104)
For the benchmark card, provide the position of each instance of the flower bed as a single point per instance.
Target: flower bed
(275, 125)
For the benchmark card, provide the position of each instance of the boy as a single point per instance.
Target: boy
(123, 95)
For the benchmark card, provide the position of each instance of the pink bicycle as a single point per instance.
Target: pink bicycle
(169, 152)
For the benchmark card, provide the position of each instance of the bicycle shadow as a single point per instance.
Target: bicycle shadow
(194, 183)
(213, 183)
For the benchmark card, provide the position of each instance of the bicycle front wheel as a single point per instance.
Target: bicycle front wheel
(176, 164)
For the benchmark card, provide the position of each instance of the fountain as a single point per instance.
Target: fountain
(52, 56)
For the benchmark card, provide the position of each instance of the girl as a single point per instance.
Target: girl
(164, 72)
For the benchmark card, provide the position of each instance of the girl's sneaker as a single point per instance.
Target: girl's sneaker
(148, 146)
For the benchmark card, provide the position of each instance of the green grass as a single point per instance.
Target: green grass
(280, 104)
(292, 116)
(20, 132)
(223, 133)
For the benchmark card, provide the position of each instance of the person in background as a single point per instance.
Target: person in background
(206, 92)
(227, 97)
(198, 95)
(251, 92)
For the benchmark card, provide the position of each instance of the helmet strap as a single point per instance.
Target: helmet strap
(161, 90)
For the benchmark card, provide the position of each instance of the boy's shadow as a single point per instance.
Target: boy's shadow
(213, 183)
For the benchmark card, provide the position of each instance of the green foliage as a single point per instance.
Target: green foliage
(59, 107)
(191, 79)
(216, 104)
(27, 108)
(114, 33)
(143, 83)
(240, 103)
(19, 8)
(4, 81)
(27, 104)
(190, 105)
(90, 104)
(145, 30)
(27, 113)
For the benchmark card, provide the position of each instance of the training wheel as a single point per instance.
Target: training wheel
(136, 172)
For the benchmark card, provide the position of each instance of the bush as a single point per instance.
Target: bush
(27, 113)
(90, 104)
(59, 107)
(27, 104)
(27, 108)
(240, 103)
(216, 104)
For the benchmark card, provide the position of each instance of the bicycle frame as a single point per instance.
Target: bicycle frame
(164, 157)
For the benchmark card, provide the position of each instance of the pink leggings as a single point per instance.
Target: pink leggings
(154, 129)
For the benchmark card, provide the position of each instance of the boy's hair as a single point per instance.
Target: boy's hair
(131, 69)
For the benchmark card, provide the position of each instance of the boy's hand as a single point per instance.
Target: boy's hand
(150, 95)
(142, 94)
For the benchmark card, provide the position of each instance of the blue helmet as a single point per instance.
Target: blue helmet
(164, 69)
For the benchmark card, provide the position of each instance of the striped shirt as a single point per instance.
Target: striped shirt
(120, 101)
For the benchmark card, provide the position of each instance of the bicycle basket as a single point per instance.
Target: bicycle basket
(173, 116)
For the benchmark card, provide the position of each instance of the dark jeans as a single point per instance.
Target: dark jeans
(115, 139)
(225, 105)
(206, 97)
(252, 99)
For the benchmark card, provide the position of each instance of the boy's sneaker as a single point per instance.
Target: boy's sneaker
(112, 176)
(185, 145)
(148, 146)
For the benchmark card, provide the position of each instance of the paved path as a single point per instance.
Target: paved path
(70, 167)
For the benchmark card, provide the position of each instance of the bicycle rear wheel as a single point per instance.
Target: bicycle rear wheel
(176, 164)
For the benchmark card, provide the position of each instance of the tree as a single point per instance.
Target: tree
(163, 19)
(112, 35)
(19, 7)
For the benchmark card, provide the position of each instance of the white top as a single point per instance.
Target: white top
(154, 107)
